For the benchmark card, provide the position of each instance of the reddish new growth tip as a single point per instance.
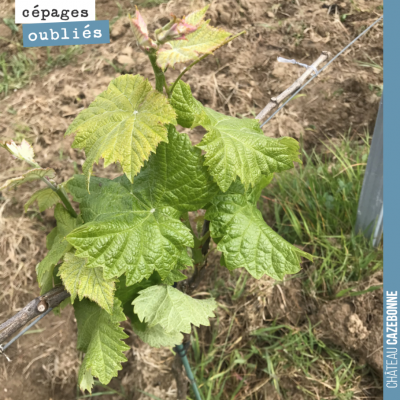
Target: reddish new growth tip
(141, 33)
(176, 29)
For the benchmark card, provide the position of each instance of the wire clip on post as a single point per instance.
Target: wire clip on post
(285, 60)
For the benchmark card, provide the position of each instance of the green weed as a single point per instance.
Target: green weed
(377, 89)
(65, 56)
(10, 22)
(18, 69)
(283, 356)
(220, 372)
(370, 64)
(151, 3)
(15, 72)
(315, 369)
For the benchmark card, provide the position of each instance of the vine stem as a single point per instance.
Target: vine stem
(63, 197)
(186, 69)
(187, 286)
(195, 279)
(158, 72)
(59, 190)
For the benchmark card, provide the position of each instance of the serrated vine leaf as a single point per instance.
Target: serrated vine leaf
(175, 176)
(59, 247)
(189, 111)
(44, 269)
(46, 198)
(252, 194)
(205, 39)
(85, 379)
(156, 336)
(29, 176)
(100, 337)
(50, 238)
(238, 148)
(196, 17)
(81, 281)
(247, 241)
(171, 309)
(136, 242)
(174, 276)
(136, 229)
(126, 294)
(125, 124)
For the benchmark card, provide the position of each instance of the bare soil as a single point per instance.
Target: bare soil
(354, 324)
(238, 80)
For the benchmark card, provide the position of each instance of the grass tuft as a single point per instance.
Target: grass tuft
(19, 69)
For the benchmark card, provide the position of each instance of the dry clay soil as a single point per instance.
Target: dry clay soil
(238, 80)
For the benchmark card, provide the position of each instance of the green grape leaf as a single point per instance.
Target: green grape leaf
(65, 222)
(79, 280)
(100, 337)
(175, 176)
(196, 17)
(44, 269)
(156, 336)
(204, 40)
(174, 276)
(29, 176)
(173, 310)
(136, 242)
(136, 229)
(126, 294)
(189, 111)
(245, 240)
(125, 123)
(105, 196)
(46, 198)
(50, 238)
(85, 378)
(58, 247)
(238, 148)
(252, 194)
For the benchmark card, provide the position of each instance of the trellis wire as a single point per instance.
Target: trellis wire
(314, 76)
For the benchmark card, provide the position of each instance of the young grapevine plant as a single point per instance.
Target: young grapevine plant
(123, 254)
